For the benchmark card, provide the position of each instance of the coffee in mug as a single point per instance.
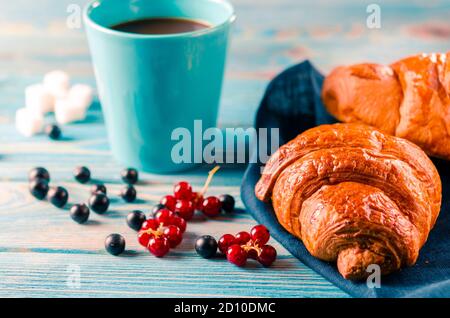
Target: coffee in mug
(161, 26)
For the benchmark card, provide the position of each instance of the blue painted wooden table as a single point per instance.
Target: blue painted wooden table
(42, 251)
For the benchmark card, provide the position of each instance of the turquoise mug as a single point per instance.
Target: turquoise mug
(150, 85)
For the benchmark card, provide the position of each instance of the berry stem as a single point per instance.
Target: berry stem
(158, 232)
(208, 180)
(252, 246)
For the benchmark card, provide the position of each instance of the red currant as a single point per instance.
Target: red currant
(180, 223)
(158, 246)
(260, 234)
(185, 209)
(197, 200)
(267, 255)
(150, 224)
(252, 253)
(242, 238)
(225, 241)
(173, 235)
(165, 216)
(211, 206)
(182, 191)
(144, 237)
(169, 202)
(236, 255)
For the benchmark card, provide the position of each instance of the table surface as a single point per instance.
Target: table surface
(41, 248)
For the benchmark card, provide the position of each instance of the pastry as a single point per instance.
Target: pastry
(354, 195)
(409, 99)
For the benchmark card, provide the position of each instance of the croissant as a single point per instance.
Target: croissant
(354, 195)
(408, 99)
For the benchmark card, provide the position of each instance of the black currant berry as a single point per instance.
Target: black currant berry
(99, 203)
(135, 219)
(129, 176)
(115, 244)
(156, 209)
(98, 188)
(39, 188)
(227, 203)
(79, 213)
(82, 174)
(38, 173)
(206, 246)
(53, 132)
(58, 196)
(128, 193)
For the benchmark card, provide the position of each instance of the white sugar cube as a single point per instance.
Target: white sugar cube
(67, 111)
(81, 95)
(39, 99)
(57, 82)
(29, 122)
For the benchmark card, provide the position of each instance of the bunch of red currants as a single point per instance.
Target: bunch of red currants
(165, 230)
(248, 245)
(240, 247)
(185, 201)
(162, 233)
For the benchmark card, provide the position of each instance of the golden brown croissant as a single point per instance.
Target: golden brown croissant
(408, 99)
(354, 194)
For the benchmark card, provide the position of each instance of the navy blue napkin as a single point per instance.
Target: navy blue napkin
(292, 104)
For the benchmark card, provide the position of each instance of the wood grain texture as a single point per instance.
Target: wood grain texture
(39, 244)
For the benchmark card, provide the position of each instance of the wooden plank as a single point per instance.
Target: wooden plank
(39, 274)
(39, 243)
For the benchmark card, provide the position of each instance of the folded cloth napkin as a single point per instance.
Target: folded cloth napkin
(292, 104)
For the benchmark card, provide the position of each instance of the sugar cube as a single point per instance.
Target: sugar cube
(29, 122)
(66, 111)
(81, 95)
(57, 82)
(39, 99)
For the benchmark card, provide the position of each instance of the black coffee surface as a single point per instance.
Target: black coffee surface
(160, 26)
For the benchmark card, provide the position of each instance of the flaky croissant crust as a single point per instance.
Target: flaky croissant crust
(408, 99)
(355, 195)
